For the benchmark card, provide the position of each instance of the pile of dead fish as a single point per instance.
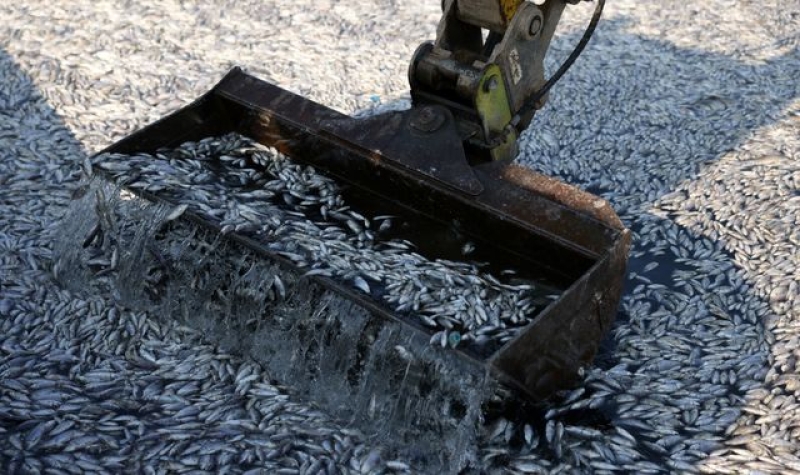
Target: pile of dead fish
(243, 187)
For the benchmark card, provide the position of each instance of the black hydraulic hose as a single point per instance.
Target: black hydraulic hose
(530, 104)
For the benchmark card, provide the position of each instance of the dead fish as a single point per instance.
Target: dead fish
(176, 212)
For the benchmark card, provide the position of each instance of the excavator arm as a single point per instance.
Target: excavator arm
(487, 67)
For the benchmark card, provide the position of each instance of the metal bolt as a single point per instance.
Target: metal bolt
(426, 116)
(490, 84)
(536, 25)
(427, 119)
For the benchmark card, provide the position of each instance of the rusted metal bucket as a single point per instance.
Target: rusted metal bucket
(414, 163)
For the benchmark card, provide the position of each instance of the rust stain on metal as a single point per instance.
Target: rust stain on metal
(567, 195)
(509, 9)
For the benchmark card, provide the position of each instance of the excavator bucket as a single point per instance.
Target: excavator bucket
(405, 356)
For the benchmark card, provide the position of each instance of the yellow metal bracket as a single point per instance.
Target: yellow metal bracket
(491, 102)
